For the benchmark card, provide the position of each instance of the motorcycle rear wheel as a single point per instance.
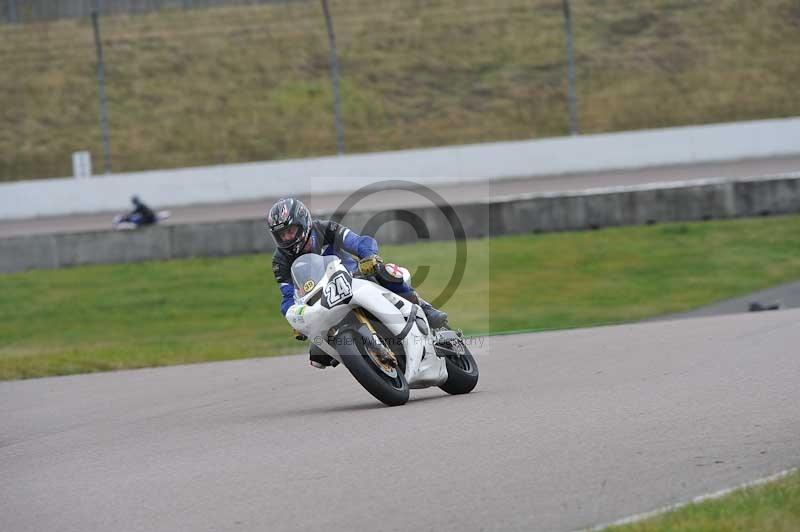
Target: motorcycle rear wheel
(462, 370)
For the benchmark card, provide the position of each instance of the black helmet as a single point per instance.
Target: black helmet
(290, 224)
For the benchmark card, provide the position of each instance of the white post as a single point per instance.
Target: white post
(81, 164)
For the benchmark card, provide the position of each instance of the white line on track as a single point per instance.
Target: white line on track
(700, 498)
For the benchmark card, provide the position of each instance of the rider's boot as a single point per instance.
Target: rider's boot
(436, 318)
(320, 359)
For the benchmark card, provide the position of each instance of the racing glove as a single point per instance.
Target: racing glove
(367, 265)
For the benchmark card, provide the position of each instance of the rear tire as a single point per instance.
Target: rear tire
(390, 390)
(462, 371)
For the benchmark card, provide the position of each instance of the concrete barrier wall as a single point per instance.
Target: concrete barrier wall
(644, 204)
(152, 243)
(454, 164)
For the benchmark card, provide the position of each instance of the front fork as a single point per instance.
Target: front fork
(377, 351)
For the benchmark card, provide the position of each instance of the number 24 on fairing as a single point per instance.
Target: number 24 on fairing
(339, 290)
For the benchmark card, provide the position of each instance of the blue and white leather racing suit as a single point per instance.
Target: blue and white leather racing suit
(329, 238)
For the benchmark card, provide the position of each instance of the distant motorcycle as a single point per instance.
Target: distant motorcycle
(125, 222)
(384, 340)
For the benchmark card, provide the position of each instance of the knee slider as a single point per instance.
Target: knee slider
(389, 273)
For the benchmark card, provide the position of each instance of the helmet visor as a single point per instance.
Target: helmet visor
(288, 235)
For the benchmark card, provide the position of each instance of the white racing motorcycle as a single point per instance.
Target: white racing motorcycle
(381, 338)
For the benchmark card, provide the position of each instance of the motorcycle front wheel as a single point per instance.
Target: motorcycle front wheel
(387, 384)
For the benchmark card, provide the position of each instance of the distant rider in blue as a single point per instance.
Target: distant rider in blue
(295, 234)
(141, 213)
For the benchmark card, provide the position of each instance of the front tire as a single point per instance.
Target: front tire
(391, 390)
(462, 370)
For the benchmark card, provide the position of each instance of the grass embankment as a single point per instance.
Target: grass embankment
(148, 314)
(251, 83)
(774, 507)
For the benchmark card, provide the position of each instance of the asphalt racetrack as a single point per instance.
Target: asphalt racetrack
(453, 194)
(564, 431)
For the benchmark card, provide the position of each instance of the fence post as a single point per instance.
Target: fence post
(12, 12)
(337, 102)
(101, 82)
(571, 96)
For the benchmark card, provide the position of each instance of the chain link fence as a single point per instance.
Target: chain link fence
(27, 11)
(253, 82)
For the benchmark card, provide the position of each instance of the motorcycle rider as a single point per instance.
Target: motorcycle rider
(296, 233)
(141, 213)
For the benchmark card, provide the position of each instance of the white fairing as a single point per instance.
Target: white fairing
(423, 367)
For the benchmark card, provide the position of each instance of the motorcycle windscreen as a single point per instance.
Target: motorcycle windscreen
(308, 270)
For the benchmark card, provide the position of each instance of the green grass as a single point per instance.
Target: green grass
(774, 507)
(251, 83)
(124, 316)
